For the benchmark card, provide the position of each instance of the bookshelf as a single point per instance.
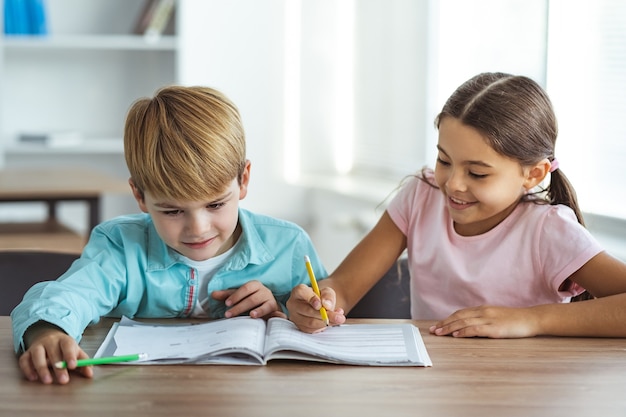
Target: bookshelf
(79, 78)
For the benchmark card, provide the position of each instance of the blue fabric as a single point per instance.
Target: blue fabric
(126, 269)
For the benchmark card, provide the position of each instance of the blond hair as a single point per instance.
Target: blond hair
(185, 143)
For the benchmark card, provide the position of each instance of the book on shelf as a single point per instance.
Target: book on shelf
(25, 17)
(248, 341)
(155, 18)
(51, 139)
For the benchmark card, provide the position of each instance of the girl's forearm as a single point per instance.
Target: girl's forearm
(601, 317)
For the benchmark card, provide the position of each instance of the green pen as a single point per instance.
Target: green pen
(102, 361)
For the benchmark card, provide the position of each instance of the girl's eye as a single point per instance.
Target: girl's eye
(442, 162)
(470, 173)
(478, 176)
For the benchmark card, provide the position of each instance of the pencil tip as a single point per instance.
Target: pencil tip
(59, 365)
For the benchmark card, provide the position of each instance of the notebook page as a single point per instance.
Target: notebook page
(188, 341)
(362, 344)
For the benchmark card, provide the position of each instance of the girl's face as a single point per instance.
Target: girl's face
(198, 230)
(481, 186)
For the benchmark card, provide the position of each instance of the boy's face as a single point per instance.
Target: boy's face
(198, 230)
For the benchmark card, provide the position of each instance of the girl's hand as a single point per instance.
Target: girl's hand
(253, 297)
(489, 321)
(49, 345)
(304, 305)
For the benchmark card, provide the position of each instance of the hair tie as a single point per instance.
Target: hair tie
(554, 165)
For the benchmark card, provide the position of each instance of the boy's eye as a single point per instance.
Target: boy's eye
(172, 212)
(215, 206)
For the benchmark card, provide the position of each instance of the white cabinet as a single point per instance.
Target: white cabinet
(81, 78)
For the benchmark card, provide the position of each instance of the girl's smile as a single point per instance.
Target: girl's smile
(456, 204)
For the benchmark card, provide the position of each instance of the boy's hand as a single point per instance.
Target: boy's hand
(253, 297)
(304, 309)
(489, 321)
(48, 345)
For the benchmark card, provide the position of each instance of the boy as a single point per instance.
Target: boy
(191, 253)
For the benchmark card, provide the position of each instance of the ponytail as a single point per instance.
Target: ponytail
(561, 191)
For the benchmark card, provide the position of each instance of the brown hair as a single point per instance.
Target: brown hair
(516, 117)
(185, 143)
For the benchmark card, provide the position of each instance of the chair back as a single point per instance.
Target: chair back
(390, 298)
(21, 269)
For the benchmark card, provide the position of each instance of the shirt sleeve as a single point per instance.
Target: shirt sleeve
(564, 247)
(401, 207)
(79, 297)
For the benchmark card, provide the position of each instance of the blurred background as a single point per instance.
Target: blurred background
(337, 97)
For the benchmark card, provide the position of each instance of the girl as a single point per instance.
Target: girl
(491, 252)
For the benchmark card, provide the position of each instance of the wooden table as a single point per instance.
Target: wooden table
(540, 376)
(52, 186)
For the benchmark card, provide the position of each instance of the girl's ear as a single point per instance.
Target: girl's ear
(537, 173)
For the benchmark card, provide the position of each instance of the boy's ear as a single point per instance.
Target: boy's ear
(245, 180)
(138, 194)
(537, 173)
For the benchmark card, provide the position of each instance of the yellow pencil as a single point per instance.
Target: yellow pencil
(316, 289)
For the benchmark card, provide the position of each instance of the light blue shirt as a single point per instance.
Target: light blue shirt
(126, 269)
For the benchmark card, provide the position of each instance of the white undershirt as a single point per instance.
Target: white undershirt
(206, 269)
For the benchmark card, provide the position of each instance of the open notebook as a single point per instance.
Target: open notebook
(248, 341)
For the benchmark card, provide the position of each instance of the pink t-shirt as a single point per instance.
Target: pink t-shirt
(521, 262)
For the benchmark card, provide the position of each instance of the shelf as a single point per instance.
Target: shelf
(89, 146)
(91, 42)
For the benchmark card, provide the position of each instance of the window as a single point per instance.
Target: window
(363, 87)
(405, 58)
(400, 61)
(587, 83)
